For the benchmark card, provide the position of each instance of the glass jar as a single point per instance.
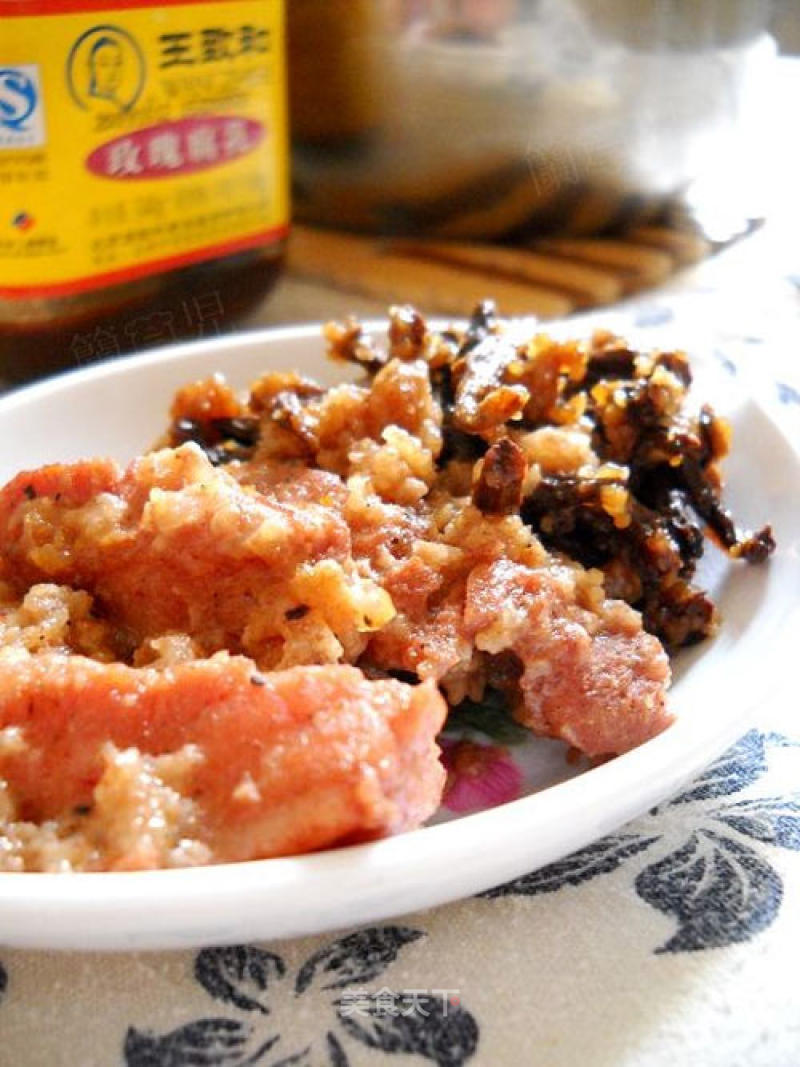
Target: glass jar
(143, 173)
(507, 119)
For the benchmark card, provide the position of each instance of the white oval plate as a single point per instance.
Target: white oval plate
(118, 408)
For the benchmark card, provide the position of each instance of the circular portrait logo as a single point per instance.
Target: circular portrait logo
(105, 70)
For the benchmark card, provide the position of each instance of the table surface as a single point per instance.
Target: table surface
(576, 965)
(579, 964)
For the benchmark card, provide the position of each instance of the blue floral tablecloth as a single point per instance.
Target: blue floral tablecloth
(673, 941)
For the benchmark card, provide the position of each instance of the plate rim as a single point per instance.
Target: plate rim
(51, 912)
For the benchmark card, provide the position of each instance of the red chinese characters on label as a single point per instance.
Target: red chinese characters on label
(173, 148)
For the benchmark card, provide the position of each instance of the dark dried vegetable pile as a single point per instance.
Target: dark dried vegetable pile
(640, 514)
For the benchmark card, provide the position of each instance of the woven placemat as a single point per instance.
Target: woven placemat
(550, 278)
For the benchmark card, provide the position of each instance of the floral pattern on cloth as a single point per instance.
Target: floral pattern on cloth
(703, 858)
(431, 1024)
(718, 887)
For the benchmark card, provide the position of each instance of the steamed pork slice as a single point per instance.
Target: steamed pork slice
(273, 765)
(594, 679)
(73, 485)
(55, 618)
(174, 544)
(487, 605)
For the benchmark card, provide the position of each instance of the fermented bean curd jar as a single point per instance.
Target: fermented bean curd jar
(143, 173)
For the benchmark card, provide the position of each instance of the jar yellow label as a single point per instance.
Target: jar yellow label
(135, 138)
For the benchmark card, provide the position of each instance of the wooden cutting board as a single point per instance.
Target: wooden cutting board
(550, 278)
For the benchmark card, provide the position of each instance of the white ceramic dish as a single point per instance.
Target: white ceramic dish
(118, 408)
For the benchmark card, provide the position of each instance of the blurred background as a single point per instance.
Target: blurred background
(554, 154)
(785, 24)
(509, 119)
(561, 154)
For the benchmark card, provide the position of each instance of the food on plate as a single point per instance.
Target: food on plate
(234, 648)
(108, 766)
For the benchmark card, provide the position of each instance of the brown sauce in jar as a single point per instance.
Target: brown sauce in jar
(194, 302)
(143, 174)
